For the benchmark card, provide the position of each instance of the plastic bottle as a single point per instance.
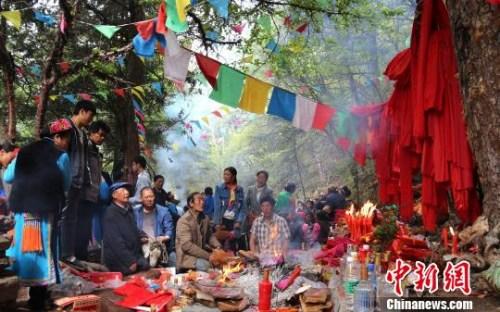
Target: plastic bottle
(265, 293)
(364, 296)
(372, 275)
(351, 280)
(383, 289)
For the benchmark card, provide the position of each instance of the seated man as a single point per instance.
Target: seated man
(122, 239)
(155, 222)
(270, 232)
(194, 239)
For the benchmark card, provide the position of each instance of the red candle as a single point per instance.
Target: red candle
(444, 238)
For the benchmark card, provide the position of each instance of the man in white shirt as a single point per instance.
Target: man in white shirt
(139, 166)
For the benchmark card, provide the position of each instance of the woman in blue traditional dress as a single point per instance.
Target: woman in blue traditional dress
(39, 175)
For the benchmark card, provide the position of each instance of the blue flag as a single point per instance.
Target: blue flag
(221, 7)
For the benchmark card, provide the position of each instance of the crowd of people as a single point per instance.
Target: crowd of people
(63, 202)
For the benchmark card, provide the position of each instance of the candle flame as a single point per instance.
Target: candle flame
(451, 231)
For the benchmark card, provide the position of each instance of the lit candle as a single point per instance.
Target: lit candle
(444, 238)
(454, 242)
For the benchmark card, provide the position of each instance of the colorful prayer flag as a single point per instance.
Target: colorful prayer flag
(282, 104)
(205, 119)
(85, 96)
(161, 19)
(119, 92)
(273, 46)
(217, 113)
(229, 86)
(221, 7)
(53, 97)
(176, 60)
(145, 28)
(323, 116)
(63, 24)
(107, 30)
(156, 86)
(197, 123)
(255, 96)
(209, 68)
(264, 21)
(238, 27)
(13, 17)
(305, 110)
(70, 97)
(44, 18)
(302, 28)
(64, 67)
(181, 9)
(212, 35)
(173, 21)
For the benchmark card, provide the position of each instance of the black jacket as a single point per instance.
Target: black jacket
(77, 153)
(122, 241)
(94, 160)
(38, 185)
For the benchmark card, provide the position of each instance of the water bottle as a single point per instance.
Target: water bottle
(351, 280)
(364, 296)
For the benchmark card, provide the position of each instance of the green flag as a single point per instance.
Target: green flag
(107, 30)
(173, 21)
(229, 87)
(264, 21)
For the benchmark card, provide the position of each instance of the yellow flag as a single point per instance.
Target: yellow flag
(226, 109)
(255, 96)
(175, 147)
(14, 17)
(247, 59)
(138, 92)
(53, 97)
(205, 119)
(181, 9)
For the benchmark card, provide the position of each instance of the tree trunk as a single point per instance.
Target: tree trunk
(9, 74)
(51, 73)
(476, 27)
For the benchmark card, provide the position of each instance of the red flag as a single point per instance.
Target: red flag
(119, 92)
(85, 96)
(302, 28)
(268, 73)
(344, 143)
(64, 67)
(64, 24)
(145, 28)
(322, 116)
(162, 18)
(217, 113)
(209, 67)
(37, 99)
(238, 28)
(288, 21)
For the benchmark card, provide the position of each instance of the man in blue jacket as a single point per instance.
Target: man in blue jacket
(154, 220)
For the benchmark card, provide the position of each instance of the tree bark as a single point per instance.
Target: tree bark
(476, 27)
(9, 74)
(51, 73)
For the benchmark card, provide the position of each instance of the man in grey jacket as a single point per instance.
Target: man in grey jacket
(255, 193)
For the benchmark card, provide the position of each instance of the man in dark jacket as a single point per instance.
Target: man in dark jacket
(90, 193)
(82, 117)
(122, 239)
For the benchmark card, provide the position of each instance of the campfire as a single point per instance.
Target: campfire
(360, 222)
